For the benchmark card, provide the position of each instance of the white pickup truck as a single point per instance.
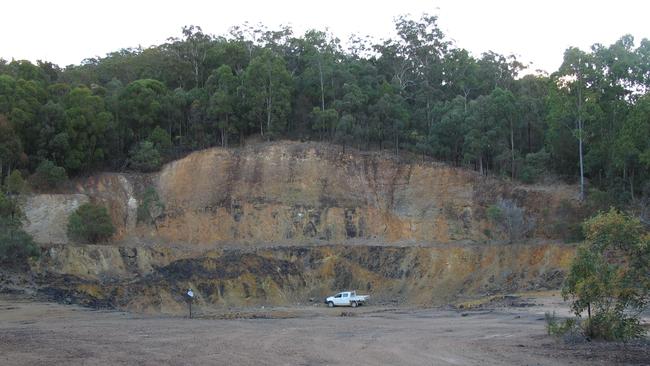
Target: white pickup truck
(346, 298)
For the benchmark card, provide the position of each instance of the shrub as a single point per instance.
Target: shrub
(614, 325)
(15, 183)
(90, 223)
(609, 276)
(161, 140)
(557, 327)
(534, 166)
(494, 213)
(151, 207)
(10, 210)
(48, 175)
(15, 244)
(567, 223)
(145, 157)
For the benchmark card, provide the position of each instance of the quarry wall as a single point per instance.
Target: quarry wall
(284, 222)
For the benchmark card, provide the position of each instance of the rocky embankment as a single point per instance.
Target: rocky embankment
(154, 280)
(284, 222)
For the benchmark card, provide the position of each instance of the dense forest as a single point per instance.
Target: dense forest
(419, 93)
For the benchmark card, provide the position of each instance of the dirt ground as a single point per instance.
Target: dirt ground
(41, 333)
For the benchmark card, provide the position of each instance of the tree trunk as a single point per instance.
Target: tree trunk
(268, 116)
(396, 143)
(269, 104)
(580, 143)
(530, 148)
(322, 87)
(227, 128)
(632, 184)
(465, 96)
(512, 150)
(589, 329)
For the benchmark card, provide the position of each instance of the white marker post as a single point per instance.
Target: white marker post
(190, 298)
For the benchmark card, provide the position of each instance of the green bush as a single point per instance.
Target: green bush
(10, 210)
(48, 175)
(145, 157)
(151, 207)
(494, 213)
(15, 183)
(614, 326)
(161, 140)
(15, 244)
(557, 327)
(608, 279)
(90, 223)
(535, 165)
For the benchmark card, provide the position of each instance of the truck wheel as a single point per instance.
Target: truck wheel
(330, 304)
(354, 304)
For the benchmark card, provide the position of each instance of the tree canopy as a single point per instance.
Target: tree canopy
(419, 92)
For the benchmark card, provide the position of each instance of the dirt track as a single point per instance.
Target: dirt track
(37, 333)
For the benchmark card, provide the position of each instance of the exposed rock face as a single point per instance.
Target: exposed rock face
(47, 215)
(152, 280)
(301, 193)
(280, 223)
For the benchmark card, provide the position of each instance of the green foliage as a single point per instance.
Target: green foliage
(567, 223)
(10, 210)
(15, 184)
(161, 140)
(609, 276)
(557, 327)
(142, 106)
(535, 166)
(145, 157)
(10, 144)
(223, 86)
(15, 244)
(267, 84)
(614, 326)
(150, 208)
(494, 213)
(48, 175)
(90, 223)
(416, 91)
(598, 200)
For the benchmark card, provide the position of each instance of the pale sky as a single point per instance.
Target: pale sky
(67, 31)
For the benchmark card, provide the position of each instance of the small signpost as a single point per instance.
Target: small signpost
(190, 298)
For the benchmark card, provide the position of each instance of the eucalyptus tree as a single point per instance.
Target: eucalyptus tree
(86, 124)
(192, 49)
(574, 103)
(503, 110)
(461, 75)
(141, 107)
(267, 89)
(222, 87)
(10, 147)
